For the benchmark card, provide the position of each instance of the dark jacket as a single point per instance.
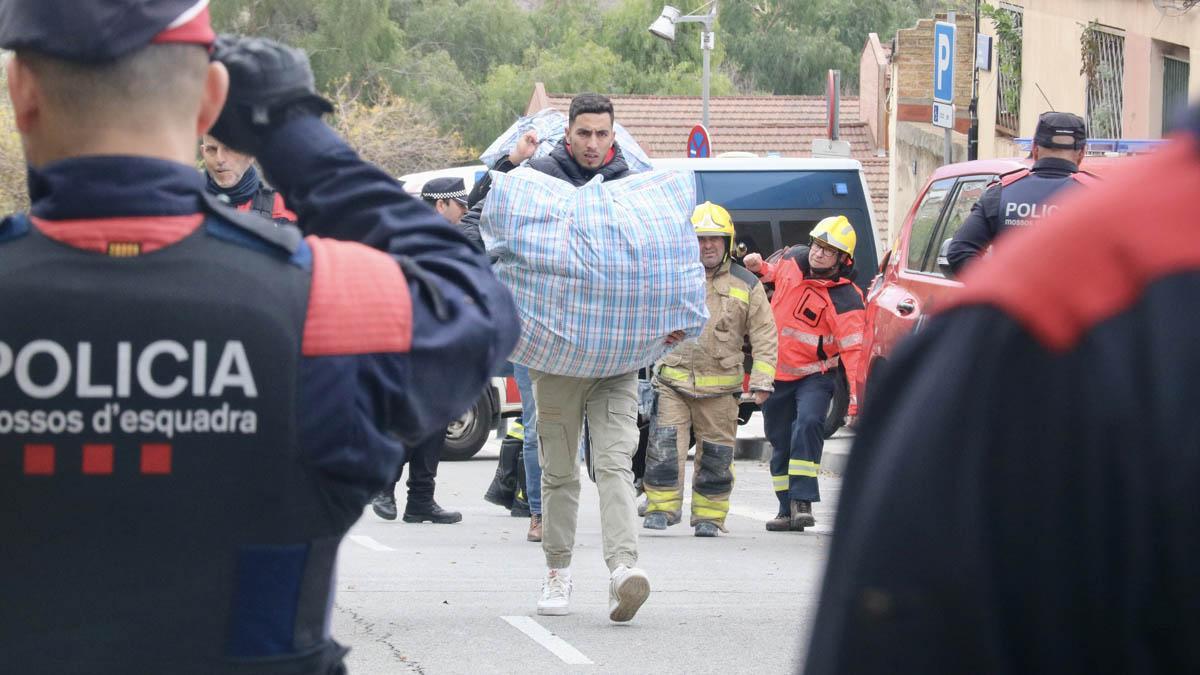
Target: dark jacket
(1021, 495)
(987, 221)
(559, 163)
(137, 547)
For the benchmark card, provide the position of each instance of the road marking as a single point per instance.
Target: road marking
(364, 540)
(556, 645)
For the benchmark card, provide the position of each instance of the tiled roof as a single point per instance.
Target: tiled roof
(760, 124)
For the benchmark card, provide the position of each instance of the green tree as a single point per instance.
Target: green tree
(477, 34)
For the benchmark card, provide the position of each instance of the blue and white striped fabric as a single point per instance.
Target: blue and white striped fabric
(551, 126)
(601, 273)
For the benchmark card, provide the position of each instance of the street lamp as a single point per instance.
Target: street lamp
(664, 27)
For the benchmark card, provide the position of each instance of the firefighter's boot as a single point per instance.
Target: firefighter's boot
(782, 522)
(504, 484)
(801, 515)
(520, 502)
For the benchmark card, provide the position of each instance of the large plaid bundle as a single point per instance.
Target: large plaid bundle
(551, 127)
(602, 273)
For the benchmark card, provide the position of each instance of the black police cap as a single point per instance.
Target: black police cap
(444, 188)
(1052, 124)
(97, 31)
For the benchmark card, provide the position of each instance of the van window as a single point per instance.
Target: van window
(925, 223)
(756, 235)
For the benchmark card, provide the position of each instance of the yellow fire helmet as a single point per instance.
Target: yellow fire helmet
(837, 232)
(710, 220)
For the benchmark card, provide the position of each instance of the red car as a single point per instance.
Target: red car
(912, 282)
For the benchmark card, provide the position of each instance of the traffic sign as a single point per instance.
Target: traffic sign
(943, 61)
(698, 144)
(943, 115)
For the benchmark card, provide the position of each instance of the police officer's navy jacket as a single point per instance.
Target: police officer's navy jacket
(1016, 201)
(1021, 496)
(195, 404)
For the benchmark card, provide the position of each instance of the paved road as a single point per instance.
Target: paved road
(460, 598)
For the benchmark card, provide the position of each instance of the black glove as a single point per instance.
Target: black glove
(269, 83)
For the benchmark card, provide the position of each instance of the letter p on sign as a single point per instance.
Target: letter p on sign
(943, 61)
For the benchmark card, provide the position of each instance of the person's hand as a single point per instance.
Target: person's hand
(760, 397)
(675, 337)
(752, 262)
(527, 144)
(269, 83)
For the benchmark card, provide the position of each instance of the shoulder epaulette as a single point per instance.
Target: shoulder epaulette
(745, 275)
(846, 298)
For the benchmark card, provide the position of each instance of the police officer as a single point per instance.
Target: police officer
(193, 401)
(1021, 493)
(447, 196)
(1023, 198)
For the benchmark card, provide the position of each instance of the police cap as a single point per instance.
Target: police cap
(1054, 128)
(445, 188)
(98, 31)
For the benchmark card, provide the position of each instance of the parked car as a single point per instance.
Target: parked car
(913, 280)
(466, 435)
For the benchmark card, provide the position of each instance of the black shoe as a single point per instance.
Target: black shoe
(706, 529)
(655, 520)
(431, 513)
(384, 505)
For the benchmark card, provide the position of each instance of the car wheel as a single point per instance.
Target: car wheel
(840, 404)
(467, 434)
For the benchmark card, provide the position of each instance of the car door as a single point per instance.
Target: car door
(894, 305)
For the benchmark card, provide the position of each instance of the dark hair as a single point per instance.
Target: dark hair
(584, 104)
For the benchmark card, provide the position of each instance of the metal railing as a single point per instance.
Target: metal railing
(1105, 93)
(1008, 74)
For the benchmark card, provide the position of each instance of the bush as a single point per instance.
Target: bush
(394, 133)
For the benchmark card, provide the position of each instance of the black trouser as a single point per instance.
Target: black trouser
(422, 461)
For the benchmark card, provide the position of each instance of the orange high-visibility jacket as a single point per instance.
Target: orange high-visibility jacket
(820, 321)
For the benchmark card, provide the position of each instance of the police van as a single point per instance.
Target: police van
(774, 202)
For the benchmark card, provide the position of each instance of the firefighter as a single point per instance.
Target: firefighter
(697, 386)
(1024, 197)
(819, 312)
(210, 398)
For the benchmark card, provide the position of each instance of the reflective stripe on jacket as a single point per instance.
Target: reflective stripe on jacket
(820, 320)
(714, 363)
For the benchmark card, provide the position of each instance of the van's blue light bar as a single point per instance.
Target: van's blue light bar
(1124, 146)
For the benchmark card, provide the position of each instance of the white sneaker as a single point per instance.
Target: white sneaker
(628, 588)
(556, 594)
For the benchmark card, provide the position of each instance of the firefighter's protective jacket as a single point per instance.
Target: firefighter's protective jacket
(714, 363)
(820, 320)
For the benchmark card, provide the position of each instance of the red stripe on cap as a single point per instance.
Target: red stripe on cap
(192, 27)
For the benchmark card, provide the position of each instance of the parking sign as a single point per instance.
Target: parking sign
(943, 61)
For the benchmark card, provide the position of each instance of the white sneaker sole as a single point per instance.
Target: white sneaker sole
(553, 611)
(631, 594)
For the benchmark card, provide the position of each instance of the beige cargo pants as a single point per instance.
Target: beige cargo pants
(713, 421)
(611, 407)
